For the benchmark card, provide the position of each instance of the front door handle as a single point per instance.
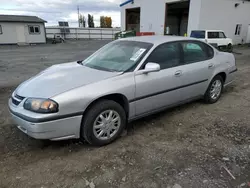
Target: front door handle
(210, 65)
(178, 73)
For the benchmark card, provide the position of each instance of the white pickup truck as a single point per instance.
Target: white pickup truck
(214, 37)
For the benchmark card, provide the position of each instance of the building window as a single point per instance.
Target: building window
(1, 31)
(34, 29)
(238, 29)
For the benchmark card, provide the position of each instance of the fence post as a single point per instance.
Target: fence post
(89, 33)
(76, 34)
(101, 33)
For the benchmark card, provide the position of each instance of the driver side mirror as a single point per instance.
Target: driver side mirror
(150, 67)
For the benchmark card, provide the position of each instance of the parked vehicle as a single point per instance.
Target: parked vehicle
(214, 37)
(57, 39)
(123, 81)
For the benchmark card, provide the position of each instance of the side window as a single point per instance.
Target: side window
(213, 35)
(194, 52)
(166, 55)
(222, 35)
(1, 31)
(34, 29)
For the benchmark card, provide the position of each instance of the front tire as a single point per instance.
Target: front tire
(103, 123)
(230, 48)
(214, 90)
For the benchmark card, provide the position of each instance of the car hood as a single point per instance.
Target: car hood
(61, 78)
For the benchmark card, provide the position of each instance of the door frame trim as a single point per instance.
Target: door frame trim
(163, 108)
(141, 65)
(166, 91)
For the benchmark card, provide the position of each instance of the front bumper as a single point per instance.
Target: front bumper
(57, 129)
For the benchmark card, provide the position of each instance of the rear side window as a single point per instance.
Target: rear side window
(213, 35)
(194, 52)
(210, 52)
(198, 34)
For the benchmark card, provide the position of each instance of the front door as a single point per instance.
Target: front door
(218, 38)
(157, 90)
(20, 34)
(197, 69)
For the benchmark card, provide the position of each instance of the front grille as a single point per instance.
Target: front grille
(19, 97)
(16, 100)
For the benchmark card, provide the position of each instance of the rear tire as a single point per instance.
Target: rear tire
(214, 90)
(103, 123)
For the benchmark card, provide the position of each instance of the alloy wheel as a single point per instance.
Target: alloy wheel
(216, 89)
(106, 125)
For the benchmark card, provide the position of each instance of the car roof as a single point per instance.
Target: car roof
(208, 30)
(157, 39)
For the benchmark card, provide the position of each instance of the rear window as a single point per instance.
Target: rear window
(198, 34)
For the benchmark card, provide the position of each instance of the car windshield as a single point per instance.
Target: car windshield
(118, 56)
(198, 34)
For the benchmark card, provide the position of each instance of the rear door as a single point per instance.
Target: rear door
(156, 90)
(197, 69)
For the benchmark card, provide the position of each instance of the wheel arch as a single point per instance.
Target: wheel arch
(223, 75)
(117, 97)
(207, 96)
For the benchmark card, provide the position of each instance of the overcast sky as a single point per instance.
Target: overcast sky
(63, 10)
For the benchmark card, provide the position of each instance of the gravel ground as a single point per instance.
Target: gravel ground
(195, 145)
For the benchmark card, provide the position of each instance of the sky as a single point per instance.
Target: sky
(63, 10)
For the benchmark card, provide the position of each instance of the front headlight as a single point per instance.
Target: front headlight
(41, 105)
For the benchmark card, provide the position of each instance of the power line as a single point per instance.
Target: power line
(38, 11)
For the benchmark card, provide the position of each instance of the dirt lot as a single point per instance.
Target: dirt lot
(188, 146)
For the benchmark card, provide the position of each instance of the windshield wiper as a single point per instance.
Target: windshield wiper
(102, 68)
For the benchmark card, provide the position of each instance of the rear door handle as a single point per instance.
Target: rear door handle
(210, 65)
(178, 73)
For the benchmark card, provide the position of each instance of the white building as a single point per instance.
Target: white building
(21, 29)
(178, 17)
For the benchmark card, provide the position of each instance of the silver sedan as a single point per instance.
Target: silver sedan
(125, 80)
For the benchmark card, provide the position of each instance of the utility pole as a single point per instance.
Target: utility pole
(78, 15)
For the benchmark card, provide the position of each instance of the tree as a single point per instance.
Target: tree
(91, 21)
(105, 22)
(108, 21)
(102, 22)
(82, 20)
